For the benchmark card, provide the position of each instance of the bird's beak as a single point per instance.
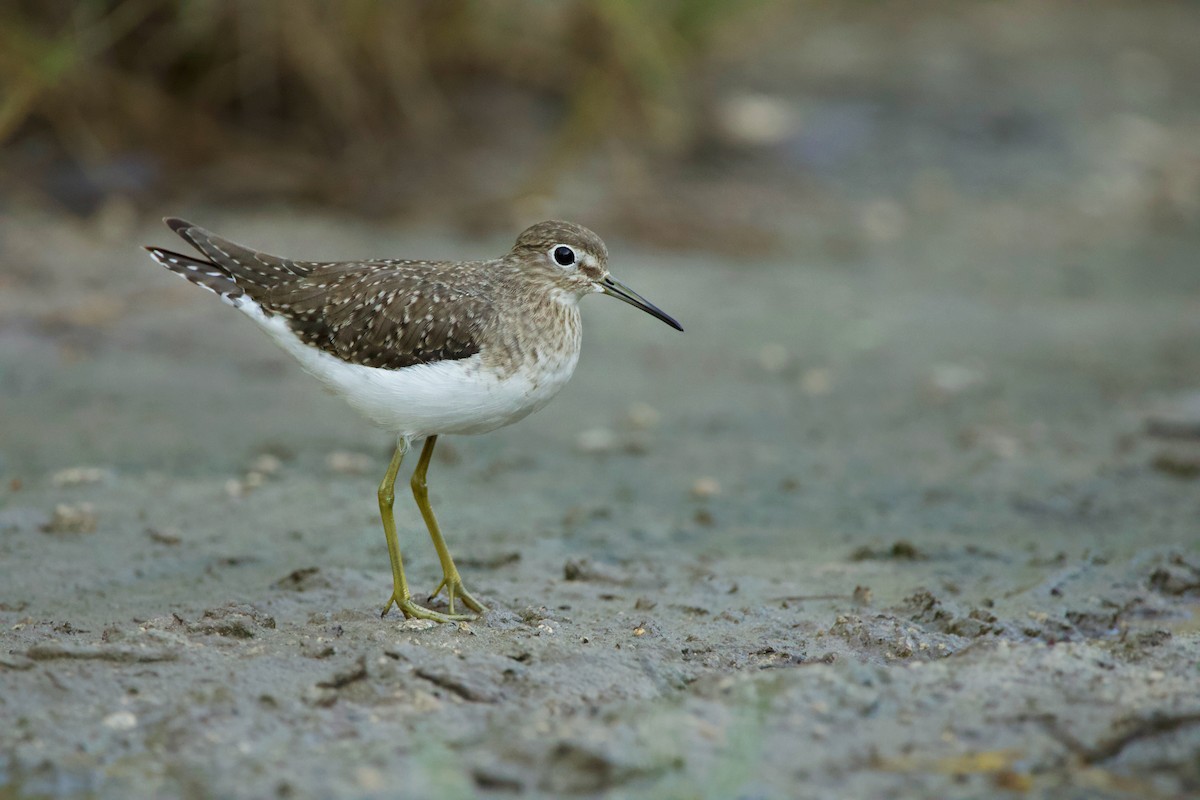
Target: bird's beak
(614, 288)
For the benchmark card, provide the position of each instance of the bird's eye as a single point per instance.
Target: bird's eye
(564, 256)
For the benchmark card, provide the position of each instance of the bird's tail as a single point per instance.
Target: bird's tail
(200, 272)
(249, 268)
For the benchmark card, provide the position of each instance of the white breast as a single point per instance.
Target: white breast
(460, 396)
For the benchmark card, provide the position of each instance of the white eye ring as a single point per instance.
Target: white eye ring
(563, 255)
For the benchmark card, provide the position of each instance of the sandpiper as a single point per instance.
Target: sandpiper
(422, 348)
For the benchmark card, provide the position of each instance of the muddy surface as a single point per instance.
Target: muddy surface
(857, 532)
(912, 509)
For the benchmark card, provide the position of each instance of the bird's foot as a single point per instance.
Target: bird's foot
(453, 585)
(411, 610)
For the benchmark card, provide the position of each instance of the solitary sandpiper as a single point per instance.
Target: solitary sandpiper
(422, 348)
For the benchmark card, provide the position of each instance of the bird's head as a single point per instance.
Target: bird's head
(575, 260)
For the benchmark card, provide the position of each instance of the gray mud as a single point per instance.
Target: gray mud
(858, 532)
(912, 509)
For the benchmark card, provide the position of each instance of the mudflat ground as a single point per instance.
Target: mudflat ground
(912, 509)
(865, 529)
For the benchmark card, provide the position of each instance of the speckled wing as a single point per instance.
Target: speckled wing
(248, 268)
(384, 314)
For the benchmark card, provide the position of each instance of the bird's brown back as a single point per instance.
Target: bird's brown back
(382, 313)
(385, 314)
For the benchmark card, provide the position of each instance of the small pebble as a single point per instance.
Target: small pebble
(752, 119)
(596, 440)
(816, 382)
(120, 721)
(643, 416)
(947, 380)
(72, 519)
(1176, 418)
(266, 464)
(165, 535)
(347, 463)
(417, 625)
(1003, 445)
(79, 476)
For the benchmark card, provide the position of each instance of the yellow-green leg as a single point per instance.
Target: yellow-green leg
(401, 596)
(451, 580)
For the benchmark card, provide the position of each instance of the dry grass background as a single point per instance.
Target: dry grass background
(315, 99)
(747, 128)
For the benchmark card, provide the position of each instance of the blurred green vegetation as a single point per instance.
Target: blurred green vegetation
(343, 89)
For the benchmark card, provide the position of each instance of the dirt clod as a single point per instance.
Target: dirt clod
(80, 518)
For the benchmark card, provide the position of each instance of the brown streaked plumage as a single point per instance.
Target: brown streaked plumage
(422, 348)
(380, 313)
